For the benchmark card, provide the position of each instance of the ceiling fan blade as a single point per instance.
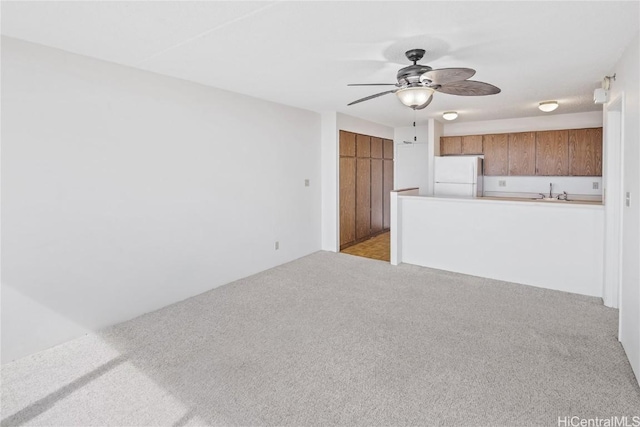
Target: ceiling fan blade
(372, 84)
(372, 96)
(468, 88)
(420, 107)
(448, 75)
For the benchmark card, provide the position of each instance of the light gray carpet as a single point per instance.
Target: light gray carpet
(335, 339)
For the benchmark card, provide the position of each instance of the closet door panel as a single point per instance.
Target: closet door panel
(376, 195)
(347, 200)
(363, 198)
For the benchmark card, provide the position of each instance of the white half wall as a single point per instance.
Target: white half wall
(533, 243)
(125, 191)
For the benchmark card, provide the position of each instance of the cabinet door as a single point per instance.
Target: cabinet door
(363, 146)
(363, 197)
(496, 154)
(522, 154)
(376, 195)
(387, 186)
(347, 144)
(585, 152)
(472, 144)
(552, 153)
(376, 148)
(347, 200)
(450, 145)
(387, 145)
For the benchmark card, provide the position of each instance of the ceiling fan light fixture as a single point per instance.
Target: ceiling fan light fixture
(414, 96)
(548, 106)
(450, 115)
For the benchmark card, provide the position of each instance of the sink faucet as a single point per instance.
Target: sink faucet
(543, 196)
(550, 187)
(563, 196)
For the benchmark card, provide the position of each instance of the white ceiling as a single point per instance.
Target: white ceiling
(303, 53)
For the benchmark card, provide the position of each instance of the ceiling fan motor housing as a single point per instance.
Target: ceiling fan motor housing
(412, 73)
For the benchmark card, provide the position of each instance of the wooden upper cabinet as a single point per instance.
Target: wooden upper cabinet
(585, 152)
(496, 154)
(522, 153)
(363, 146)
(472, 144)
(450, 145)
(376, 148)
(387, 149)
(552, 153)
(347, 144)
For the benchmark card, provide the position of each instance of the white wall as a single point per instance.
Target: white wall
(628, 86)
(436, 130)
(411, 161)
(332, 124)
(124, 191)
(578, 187)
(534, 243)
(364, 127)
(330, 183)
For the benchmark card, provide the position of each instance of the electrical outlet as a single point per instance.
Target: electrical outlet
(277, 245)
(502, 183)
(596, 185)
(306, 182)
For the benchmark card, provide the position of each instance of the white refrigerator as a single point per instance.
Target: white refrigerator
(458, 176)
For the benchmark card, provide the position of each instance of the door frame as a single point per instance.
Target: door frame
(613, 199)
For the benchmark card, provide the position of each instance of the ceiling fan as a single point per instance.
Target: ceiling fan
(417, 83)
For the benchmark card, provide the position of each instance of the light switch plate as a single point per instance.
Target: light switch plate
(627, 199)
(596, 185)
(502, 183)
(306, 182)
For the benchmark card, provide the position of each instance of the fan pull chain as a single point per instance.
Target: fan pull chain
(415, 133)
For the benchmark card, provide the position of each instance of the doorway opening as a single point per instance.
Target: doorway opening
(365, 174)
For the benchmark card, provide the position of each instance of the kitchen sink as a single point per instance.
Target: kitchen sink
(550, 199)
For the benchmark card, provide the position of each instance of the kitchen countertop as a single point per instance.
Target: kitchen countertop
(510, 200)
(553, 202)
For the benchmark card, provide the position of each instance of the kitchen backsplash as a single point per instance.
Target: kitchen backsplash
(578, 188)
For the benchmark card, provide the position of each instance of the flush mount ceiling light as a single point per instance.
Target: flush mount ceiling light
(548, 106)
(415, 96)
(450, 115)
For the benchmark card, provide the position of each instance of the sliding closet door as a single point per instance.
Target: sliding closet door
(363, 186)
(347, 200)
(376, 185)
(347, 188)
